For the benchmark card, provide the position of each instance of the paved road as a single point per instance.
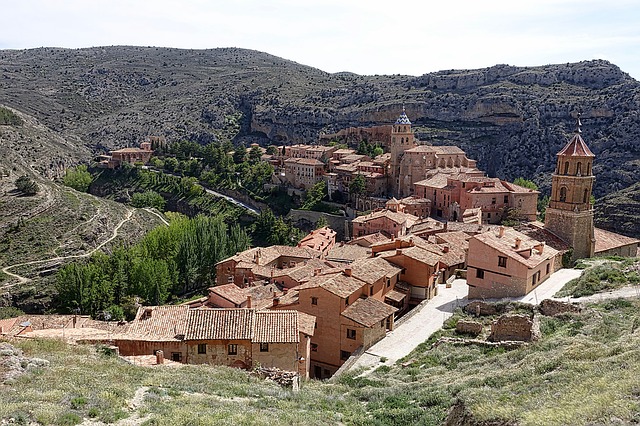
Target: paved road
(416, 329)
(422, 324)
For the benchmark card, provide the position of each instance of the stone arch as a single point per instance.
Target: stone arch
(457, 161)
(449, 162)
(367, 205)
(442, 164)
(563, 193)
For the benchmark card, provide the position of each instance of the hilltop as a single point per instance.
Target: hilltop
(39, 233)
(511, 119)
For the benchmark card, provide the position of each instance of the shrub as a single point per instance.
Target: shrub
(26, 185)
(78, 178)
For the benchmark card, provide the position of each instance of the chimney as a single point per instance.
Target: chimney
(159, 357)
(445, 249)
(501, 232)
(518, 241)
(347, 271)
(540, 247)
(398, 252)
(398, 243)
(411, 241)
(248, 301)
(276, 301)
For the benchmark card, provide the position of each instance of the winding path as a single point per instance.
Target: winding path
(22, 280)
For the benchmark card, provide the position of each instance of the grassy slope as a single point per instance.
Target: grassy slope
(602, 275)
(583, 371)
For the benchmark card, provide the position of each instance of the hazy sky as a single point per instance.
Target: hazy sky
(365, 37)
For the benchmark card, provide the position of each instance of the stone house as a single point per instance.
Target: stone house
(389, 222)
(303, 173)
(240, 338)
(127, 155)
(261, 263)
(321, 240)
(349, 307)
(508, 263)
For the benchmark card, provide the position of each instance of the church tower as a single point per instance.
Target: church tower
(570, 213)
(401, 140)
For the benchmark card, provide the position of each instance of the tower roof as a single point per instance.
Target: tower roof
(576, 146)
(403, 119)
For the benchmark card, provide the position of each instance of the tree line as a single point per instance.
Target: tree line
(167, 263)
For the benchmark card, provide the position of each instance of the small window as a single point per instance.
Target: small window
(534, 279)
(176, 356)
(202, 348)
(344, 355)
(480, 273)
(388, 282)
(371, 291)
(502, 261)
(493, 200)
(566, 168)
(506, 199)
(314, 300)
(346, 301)
(351, 334)
(488, 215)
(548, 268)
(314, 347)
(382, 323)
(233, 349)
(264, 347)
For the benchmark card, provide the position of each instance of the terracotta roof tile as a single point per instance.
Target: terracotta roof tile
(606, 240)
(231, 292)
(336, 283)
(159, 323)
(506, 245)
(576, 147)
(368, 311)
(276, 327)
(306, 323)
(373, 269)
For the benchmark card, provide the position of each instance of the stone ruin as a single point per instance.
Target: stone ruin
(14, 364)
(515, 327)
(551, 308)
(472, 328)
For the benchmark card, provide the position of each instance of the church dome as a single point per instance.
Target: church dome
(403, 119)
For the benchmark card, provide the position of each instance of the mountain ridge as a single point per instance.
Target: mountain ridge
(513, 120)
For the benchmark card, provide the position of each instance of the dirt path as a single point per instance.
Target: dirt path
(22, 280)
(161, 217)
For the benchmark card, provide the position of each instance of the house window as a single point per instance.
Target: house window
(548, 268)
(488, 215)
(480, 273)
(351, 334)
(264, 347)
(346, 301)
(314, 347)
(493, 200)
(388, 282)
(382, 323)
(202, 348)
(502, 261)
(534, 279)
(176, 356)
(371, 291)
(506, 199)
(344, 355)
(314, 300)
(563, 194)
(233, 349)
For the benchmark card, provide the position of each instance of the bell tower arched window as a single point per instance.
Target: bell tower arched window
(563, 194)
(585, 196)
(566, 168)
(579, 169)
(588, 169)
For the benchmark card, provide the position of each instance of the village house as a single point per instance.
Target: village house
(303, 173)
(127, 155)
(391, 223)
(261, 263)
(238, 338)
(321, 240)
(508, 263)
(350, 308)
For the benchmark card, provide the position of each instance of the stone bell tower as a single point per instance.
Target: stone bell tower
(570, 213)
(401, 140)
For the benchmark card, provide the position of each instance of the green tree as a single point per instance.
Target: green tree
(8, 117)
(321, 222)
(240, 154)
(78, 178)
(148, 199)
(525, 183)
(358, 185)
(272, 150)
(377, 151)
(255, 153)
(315, 195)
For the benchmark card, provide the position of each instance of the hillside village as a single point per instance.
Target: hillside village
(430, 216)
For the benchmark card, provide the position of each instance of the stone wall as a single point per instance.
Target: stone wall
(516, 327)
(552, 308)
(337, 223)
(469, 327)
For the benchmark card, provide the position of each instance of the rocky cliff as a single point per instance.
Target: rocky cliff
(511, 119)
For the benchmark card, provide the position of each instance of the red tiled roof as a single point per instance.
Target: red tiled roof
(576, 148)
(336, 283)
(306, 323)
(368, 311)
(606, 240)
(243, 324)
(276, 327)
(231, 292)
(220, 324)
(506, 245)
(373, 269)
(159, 323)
